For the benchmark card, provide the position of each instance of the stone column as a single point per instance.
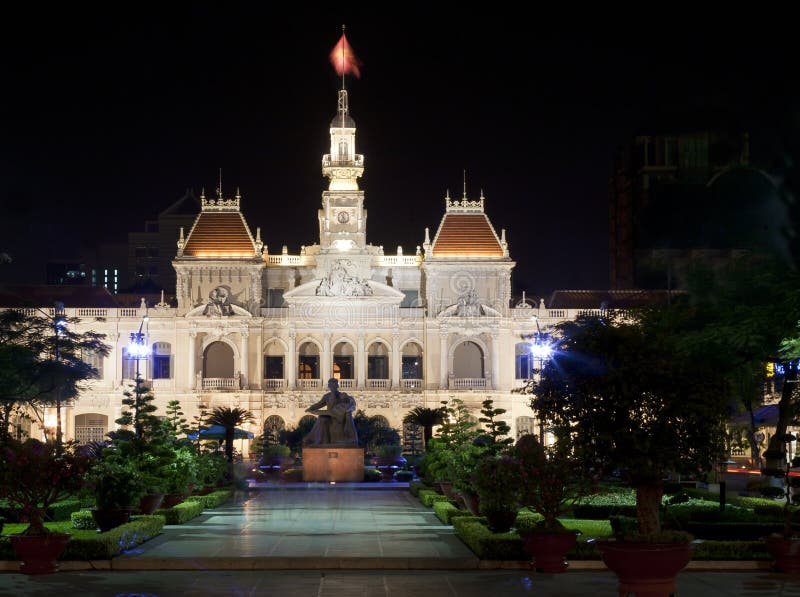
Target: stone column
(326, 371)
(290, 364)
(192, 358)
(361, 362)
(495, 377)
(443, 359)
(245, 334)
(395, 359)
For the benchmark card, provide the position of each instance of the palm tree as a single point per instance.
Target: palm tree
(229, 418)
(425, 418)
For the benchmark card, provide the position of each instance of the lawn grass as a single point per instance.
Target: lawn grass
(589, 529)
(14, 528)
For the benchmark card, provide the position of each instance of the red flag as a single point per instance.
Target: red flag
(344, 59)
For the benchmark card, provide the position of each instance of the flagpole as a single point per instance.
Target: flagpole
(344, 41)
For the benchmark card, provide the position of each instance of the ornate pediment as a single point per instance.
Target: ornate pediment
(468, 305)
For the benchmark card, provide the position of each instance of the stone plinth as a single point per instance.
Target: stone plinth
(336, 463)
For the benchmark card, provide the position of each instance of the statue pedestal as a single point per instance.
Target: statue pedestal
(336, 463)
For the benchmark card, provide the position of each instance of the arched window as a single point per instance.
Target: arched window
(343, 361)
(308, 365)
(468, 361)
(218, 361)
(91, 427)
(412, 361)
(162, 360)
(377, 361)
(273, 361)
(129, 365)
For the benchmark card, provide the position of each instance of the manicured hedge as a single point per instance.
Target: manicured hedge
(428, 497)
(106, 545)
(733, 531)
(404, 476)
(181, 513)
(83, 519)
(446, 511)
(731, 550)
(213, 499)
(472, 530)
(60, 511)
(603, 511)
(415, 486)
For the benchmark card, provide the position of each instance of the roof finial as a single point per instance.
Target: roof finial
(202, 192)
(219, 188)
(465, 183)
(238, 193)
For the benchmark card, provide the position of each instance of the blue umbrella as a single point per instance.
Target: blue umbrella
(218, 432)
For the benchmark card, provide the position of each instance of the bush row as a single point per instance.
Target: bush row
(181, 513)
(213, 499)
(105, 546)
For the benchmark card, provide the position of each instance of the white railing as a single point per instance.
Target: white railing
(220, 383)
(347, 384)
(161, 384)
(127, 312)
(560, 313)
(357, 161)
(411, 384)
(412, 312)
(274, 312)
(399, 260)
(378, 384)
(467, 383)
(286, 259)
(273, 384)
(309, 384)
(92, 312)
(591, 312)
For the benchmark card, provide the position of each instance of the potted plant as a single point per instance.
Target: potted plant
(179, 477)
(388, 459)
(34, 475)
(552, 484)
(640, 397)
(276, 457)
(118, 488)
(497, 482)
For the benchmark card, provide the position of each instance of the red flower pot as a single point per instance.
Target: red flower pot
(645, 568)
(150, 503)
(39, 553)
(548, 551)
(786, 553)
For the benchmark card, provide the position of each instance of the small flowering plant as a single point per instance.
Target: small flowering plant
(34, 475)
(552, 482)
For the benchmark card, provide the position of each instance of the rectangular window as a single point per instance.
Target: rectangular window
(411, 299)
(523, 368)
(161, 368)
(128, 366)
(273, 367)
(94, 360)
(377, 367)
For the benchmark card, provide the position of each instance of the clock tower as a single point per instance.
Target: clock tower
(343, 219)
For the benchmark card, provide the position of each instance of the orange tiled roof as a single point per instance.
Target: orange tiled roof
(466, 235)
(220, 234)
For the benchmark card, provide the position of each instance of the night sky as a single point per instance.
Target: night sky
(108, 116)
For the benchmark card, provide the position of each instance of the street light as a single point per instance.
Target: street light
(59, 325)
(138, 349)
(541, 349)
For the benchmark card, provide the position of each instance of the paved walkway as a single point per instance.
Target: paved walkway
(339, 541)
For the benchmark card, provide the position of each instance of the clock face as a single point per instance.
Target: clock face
(343, 217)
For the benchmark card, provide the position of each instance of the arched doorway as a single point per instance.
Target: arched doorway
(272, 428)
(90, 427)
(377, 361)
(218, 361)
(468, 361)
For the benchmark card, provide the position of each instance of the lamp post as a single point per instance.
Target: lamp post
(138, 350)
(540, 350)
(59, 322)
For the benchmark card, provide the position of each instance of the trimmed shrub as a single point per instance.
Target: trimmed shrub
(446, 511)
(372, 475)
(415, 486)
(623, 525)
(62, 510)
(731, 550)
(404, 476)
(603, 511)
(83, 519)
(213, 499)
(292, 475)
(181, 513)
(426, 496)
(472, 530)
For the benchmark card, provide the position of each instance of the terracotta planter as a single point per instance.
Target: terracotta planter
(150, 503)
(645, 568)
(172, 499)
(548, 551)
(472, 501)
(500, 521)
(786, 553)
(39, 553)
(110, 519)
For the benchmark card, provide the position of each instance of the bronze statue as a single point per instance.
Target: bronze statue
(334, 426)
